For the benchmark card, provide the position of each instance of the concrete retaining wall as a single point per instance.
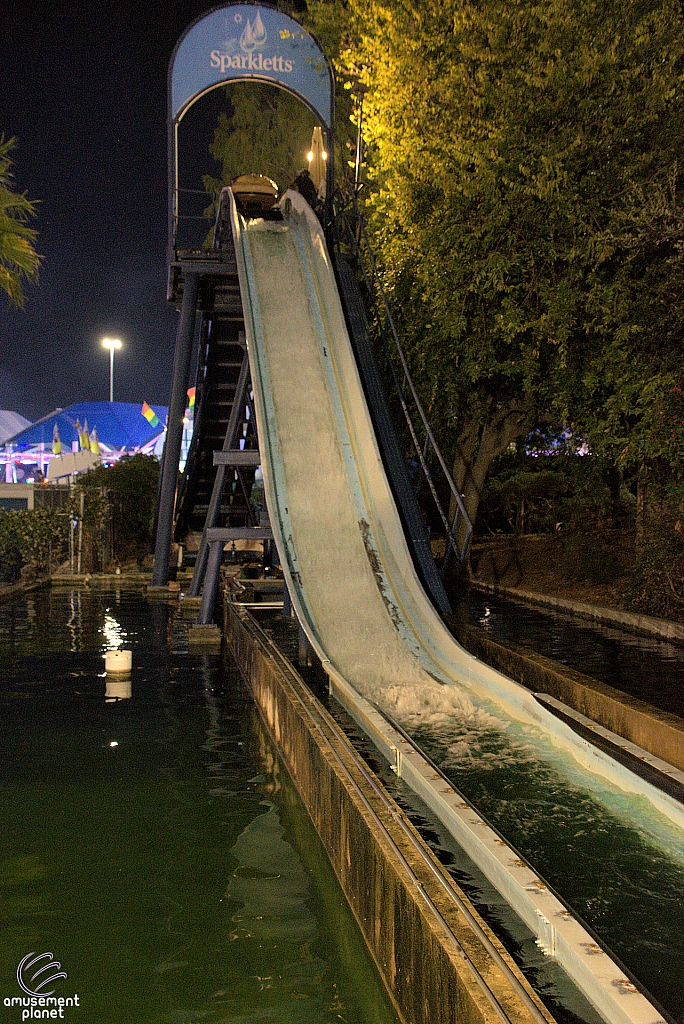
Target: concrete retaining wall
(419, 928)
(656, 731)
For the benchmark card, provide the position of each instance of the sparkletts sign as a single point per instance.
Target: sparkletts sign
(249, 41)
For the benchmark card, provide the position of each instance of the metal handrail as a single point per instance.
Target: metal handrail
(351, 234)
(179, 218)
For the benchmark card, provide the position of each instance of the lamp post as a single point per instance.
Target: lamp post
(111, 344)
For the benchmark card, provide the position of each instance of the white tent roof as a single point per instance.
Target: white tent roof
(11, 423)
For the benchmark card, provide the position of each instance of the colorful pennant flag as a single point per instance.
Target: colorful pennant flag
(191, 398)
(56, 443)
(150, 415)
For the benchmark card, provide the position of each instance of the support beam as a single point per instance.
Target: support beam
(237, 458)
(211, 578)
(303, 647)
(174, 432)
(203, 550)
(229, 533)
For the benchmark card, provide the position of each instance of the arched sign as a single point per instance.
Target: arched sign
(249, 41)
(242, 42)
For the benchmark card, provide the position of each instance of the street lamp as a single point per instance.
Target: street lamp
(111, 344)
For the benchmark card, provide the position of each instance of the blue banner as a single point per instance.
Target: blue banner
(249, 41)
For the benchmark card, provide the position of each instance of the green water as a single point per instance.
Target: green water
(611, 856)
(154, 845)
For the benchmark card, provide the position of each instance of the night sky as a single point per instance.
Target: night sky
(83, 89)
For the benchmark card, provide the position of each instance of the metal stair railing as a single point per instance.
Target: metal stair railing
(352, 239)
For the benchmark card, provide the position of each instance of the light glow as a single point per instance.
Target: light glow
(113, 344)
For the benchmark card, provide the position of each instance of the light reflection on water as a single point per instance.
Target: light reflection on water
(154, 844)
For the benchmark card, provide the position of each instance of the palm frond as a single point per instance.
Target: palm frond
(19, 261)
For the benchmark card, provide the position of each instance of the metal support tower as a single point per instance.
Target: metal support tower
(174, 431)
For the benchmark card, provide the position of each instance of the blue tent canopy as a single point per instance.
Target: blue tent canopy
(119, 425)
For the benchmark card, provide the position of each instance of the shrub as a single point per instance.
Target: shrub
(32, 542)
(131, 489)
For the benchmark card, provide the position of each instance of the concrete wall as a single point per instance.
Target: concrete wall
(16, 496)
(656, 731)
(433, 960)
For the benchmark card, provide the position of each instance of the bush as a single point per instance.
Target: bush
(131, 489)
(533, 492)
(658, 578)
(589, 557)
(32, 542)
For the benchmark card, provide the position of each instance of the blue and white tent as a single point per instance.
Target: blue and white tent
(11, 423)
(121, 427)
(121, 430)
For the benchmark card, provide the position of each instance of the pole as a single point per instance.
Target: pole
(80, 531)
(174, 432)
(111, 374)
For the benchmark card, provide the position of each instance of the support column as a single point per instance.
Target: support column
(198, 575)
(174, 432)
(304, 647)
(211, 579)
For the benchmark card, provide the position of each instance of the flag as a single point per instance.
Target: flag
(56, 443)
(94, 443)
(150, 415)
(191, 398)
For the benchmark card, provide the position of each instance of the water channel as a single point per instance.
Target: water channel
(646, 667)
(154, 844)
(615, 860)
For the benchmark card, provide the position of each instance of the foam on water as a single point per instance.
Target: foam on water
(611, 855)
(473, 735)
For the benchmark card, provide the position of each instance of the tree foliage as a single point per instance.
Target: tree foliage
(527, 204)
(131, 485)
(34, 541)
(19, 262)
(264, 130)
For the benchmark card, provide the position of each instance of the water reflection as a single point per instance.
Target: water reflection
(150, 874)
(74, 619)
(118, 689)
(112, 631)
(645, 667)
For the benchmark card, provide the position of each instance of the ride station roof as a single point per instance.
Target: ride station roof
(119, 425)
